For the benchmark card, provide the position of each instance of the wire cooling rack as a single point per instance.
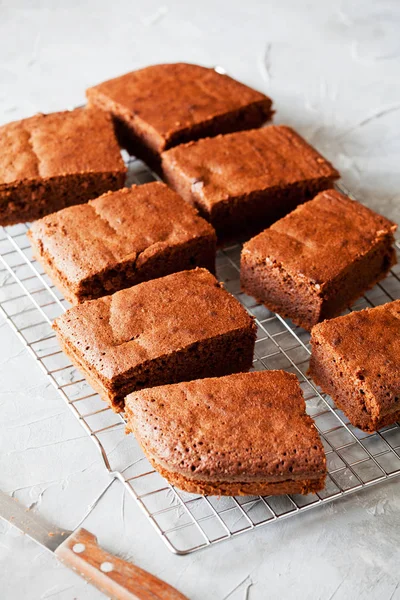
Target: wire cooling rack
(186, 522)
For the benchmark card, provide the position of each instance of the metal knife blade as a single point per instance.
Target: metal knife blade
(36, 528)
(80, 551)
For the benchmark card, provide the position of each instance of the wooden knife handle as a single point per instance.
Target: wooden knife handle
(118, 579)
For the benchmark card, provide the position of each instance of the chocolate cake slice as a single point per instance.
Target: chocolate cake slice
(242, 434)
(48, 162)
(244, 181)
(161, 106)
(319, 259)
(121, 239)
(356, 360)
(175, 328)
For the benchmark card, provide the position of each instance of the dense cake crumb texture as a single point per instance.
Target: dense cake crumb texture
(356, 359)
(331, 225)
(178, 327)
(319, 259)
(247, 180)
(55, 160)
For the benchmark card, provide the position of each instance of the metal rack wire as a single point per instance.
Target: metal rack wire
(186, 522)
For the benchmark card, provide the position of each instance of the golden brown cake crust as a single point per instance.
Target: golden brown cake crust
(120, 239)
(167, 329)
(240, 434)
(356, 359)
(51, 161)
(319, 259)
(194, 100)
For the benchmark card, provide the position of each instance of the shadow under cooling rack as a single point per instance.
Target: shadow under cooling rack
(186, 522)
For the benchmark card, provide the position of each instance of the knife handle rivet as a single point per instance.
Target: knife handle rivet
(106, 567)
(79, 548)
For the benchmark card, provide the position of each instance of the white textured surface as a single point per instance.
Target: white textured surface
(333, 70)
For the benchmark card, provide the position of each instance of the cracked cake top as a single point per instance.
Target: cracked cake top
(228, 166)
(131, 224)
(57, 144)
(114, 334)
(192, 97)
(321, 238)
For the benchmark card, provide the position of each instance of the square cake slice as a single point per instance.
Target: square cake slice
(51, 161)
(242, 434)
(176, 328)
(356, 360)
(161, 106)
(319, 259)
(244, 181)
(121, 239)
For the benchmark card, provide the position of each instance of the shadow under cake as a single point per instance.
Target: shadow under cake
(160, 106)
(243, 182)
(356, 360)
(319, 259)
(51, 161)
(242, 434)
(171, 329)
(121, 239)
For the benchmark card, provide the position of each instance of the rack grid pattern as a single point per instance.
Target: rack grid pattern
(186, 522)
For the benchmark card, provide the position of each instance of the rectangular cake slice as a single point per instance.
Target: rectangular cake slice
(171, 329)
(244, 181)
(161, 106)
(51, 161)
(356, 360)
(242, 434)
(121, 239)
(319, 259)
